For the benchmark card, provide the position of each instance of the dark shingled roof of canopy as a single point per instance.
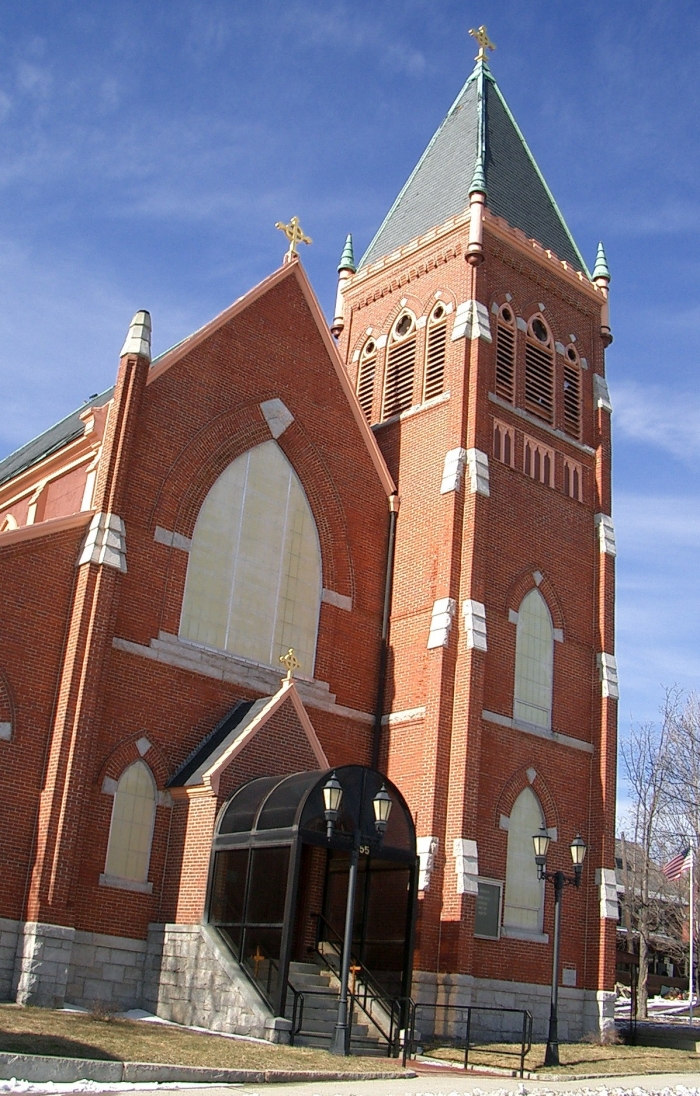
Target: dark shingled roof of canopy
(438, 187)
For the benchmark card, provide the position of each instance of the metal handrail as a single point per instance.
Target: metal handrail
(396, 1008)
(525, 1034)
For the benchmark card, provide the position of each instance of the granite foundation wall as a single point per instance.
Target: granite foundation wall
(580, 1011)
(107, 970)
(42, 962)
(191, 978)
(9, 935)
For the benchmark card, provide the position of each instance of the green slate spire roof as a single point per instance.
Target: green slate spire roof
(478, 147)
(347, 259)
(601, 268)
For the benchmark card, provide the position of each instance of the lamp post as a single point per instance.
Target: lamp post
(382, 804)
(559, 879)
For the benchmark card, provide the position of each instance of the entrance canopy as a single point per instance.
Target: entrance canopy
(277, 880)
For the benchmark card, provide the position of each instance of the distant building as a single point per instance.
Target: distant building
(256, 489)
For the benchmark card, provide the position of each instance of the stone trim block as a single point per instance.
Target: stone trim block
(606, 534)
(5, 731)
(277, 416)
(452, 471)
(478, 467)
(474, 613)
(609, 890)
(105, 542)
(341, 601)
(466, 865)
(472, 322)
(601, 394)
(441, 622)
(607, 666)
(171, 540)
(427, 848)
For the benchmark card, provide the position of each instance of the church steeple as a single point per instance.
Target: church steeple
(478, 148)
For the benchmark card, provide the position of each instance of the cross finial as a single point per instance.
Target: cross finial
(295, 234)
(292, 663)
(483, 41)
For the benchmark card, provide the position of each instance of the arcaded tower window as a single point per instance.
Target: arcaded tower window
(534, 658)
(505, 354)
(572, 392)
(365, 378)
(503, 443)
(254, 575)
(435, 352)
(523, 905)
(539, 370)
(400, 366)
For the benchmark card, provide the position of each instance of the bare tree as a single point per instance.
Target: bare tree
(648, 764)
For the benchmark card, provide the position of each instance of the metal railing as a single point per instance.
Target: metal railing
(393, 1017)
(458, 1030)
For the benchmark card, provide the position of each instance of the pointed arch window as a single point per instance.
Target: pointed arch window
(253, 582)
(505, 354)
(365, 378)
(539, 369)
(131, 829)
(524, 898)
(572, 392)
(435, 352)
(534, 662)
(400, 366)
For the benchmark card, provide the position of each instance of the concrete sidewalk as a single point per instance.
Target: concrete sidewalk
(451, 1084)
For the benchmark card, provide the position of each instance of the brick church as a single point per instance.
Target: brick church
(416, 501)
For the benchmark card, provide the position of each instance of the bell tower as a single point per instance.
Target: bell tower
(474, 336)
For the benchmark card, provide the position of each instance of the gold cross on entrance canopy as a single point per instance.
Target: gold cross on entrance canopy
(295, 234)
(483, 41)
(292, 663)
(258, 958)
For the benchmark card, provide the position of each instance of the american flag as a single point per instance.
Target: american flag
(678, 865)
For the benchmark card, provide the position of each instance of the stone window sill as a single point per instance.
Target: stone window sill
(125, 884)
(523, 934)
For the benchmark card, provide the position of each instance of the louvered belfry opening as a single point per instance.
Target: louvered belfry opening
(539, 371)
(365, 378)
(435, 353)
(400, 367)
(572, 393)
(505, 354)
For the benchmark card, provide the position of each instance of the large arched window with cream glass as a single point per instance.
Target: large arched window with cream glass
(534, 657)
(523, 905)
(254, 575)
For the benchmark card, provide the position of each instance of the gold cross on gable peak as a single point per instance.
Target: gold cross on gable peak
(483, 41)
(292, 663)
(295, 234)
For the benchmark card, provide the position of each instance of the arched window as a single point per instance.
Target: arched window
(131, 831)
(435, 351)
(505, 354)
(539, 370)
(400, 366)
(572, 392)
(523, 905)
(534, 655)
(365, 377)
(254, 574)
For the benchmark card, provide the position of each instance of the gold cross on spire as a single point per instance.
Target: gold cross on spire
(483, 41)
(295, 234)
(292, 663)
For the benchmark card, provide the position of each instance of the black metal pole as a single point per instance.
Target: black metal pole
(551, 1057)
(340, 1043)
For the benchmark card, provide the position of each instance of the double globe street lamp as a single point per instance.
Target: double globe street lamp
(332, 800)
(559, 879)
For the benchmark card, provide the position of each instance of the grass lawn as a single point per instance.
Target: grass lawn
(582, 1059)
(79, 1035)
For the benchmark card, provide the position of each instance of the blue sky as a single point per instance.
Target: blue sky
(146, 151)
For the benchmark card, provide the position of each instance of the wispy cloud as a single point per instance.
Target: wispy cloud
(658, 416)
